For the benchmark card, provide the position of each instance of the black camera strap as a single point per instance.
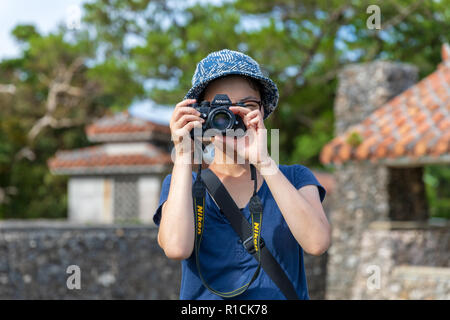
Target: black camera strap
(250, 234)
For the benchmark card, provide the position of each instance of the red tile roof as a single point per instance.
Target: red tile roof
(101, 159)
(414, 124)
(124, 127)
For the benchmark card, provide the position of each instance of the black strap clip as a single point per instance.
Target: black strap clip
(249, 245)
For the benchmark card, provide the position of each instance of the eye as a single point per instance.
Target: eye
(251, 104)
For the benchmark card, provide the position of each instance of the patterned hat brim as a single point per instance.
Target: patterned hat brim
(269, 96)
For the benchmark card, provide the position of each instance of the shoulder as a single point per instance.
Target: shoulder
(295, 170)
(287, 167)
(301, 176)
(165, 186)
(168, 177)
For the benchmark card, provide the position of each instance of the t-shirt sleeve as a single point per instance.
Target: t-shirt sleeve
(304, 176)
(162, 198)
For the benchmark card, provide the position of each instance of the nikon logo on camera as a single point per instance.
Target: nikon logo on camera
(221, 101)
(199, 219)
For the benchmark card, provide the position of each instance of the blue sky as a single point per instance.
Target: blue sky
(44, 14)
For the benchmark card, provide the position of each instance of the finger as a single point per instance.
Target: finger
(240, 111)
(180, 106)
(178, 113)
(185, 103)
(187, 118)
(254, 121)
(252, 115)
(190, 125)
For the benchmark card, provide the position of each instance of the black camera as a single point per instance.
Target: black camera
(219, 117)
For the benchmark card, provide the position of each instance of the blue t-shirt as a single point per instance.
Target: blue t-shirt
(224, 262)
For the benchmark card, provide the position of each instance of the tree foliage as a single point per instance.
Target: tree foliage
(129, 49)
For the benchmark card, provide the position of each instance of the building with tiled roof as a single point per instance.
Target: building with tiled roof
(118, 158)
(124, 127)
(388, 127)
(120, 178)
(413, 127)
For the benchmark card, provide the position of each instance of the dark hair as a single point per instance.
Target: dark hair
(253, 83)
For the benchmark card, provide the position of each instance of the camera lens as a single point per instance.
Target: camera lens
(221, 121)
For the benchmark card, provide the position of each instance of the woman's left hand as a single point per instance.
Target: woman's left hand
(253, 145)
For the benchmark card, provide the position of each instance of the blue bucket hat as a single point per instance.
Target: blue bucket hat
(225, 62)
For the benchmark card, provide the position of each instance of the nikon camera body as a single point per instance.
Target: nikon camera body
(218, 117)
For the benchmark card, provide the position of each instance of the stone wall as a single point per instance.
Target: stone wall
(360, 199)
(365, 87)
(316, 275)
(411, 259)
(361, 195)
(116, 262)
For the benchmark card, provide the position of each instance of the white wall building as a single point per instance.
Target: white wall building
(118, 180)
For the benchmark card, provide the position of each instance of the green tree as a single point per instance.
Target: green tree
(51, 94)
(131, 49)
(300, 44)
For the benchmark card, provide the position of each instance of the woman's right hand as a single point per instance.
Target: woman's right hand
(183, 120)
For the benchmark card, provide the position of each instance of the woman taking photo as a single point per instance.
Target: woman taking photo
(293, 217)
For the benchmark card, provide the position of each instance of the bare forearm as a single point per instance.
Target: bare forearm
(176, 231)
(309, 226)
